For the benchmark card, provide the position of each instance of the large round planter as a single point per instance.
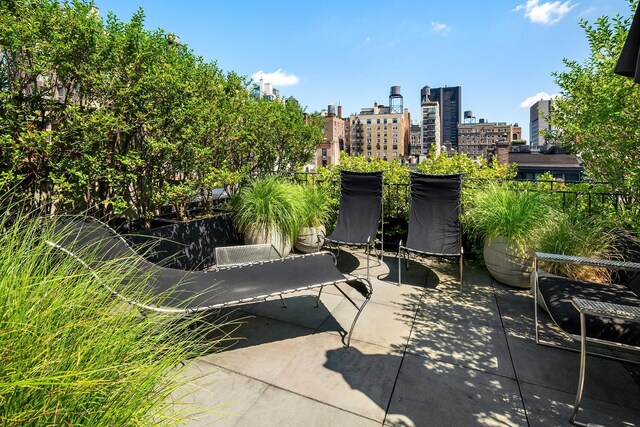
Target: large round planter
(275, 237)
(505, 266)
(310, 239)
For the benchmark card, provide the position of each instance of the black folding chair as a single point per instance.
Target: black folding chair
(434, 219)
(360, 211)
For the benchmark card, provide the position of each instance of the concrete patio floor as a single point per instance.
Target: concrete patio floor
(421, 354)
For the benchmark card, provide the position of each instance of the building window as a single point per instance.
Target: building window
(395, 120)
(385, 120)
(368, 121)
(324, 152)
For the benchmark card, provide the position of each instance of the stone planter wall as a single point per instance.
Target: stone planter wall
(187, 245)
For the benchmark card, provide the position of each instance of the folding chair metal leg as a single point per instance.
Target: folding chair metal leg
(318, 299)
(284, 304)
(368, 256)
(583, 366)
(367, 298)
(400, 265)
(461, 270)
(353, 324)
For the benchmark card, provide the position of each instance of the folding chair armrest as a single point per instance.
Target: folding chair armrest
(568, 259)
(607, 309)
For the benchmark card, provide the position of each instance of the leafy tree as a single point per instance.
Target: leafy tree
(108, 117)
(598, 112)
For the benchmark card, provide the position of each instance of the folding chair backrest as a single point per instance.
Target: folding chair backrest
(360, 207)
(434, 214)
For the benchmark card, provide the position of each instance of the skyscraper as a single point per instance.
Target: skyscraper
(449, 100)
(538, 114)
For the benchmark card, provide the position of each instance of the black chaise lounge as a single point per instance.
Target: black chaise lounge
(434, 219)
(587, 311)
(180, 291)
(360, 211)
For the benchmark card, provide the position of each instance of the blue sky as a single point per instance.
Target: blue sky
(501, 52)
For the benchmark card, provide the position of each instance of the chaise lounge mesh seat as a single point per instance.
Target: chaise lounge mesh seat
(360, 210)
(434, 219)
(180, 291)
(601, 313)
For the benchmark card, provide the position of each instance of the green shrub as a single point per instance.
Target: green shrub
(504, 209)
(316, 204)
(570, 232)
(267, 204)
(71, 353)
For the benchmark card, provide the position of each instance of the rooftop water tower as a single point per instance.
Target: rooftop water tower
(469, 117)
(395, 100)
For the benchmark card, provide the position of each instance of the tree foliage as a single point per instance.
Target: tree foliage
(109, 117)
(598, 112)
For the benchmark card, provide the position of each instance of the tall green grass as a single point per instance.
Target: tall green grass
(316, 204)
(571, 232)
(503, 209)
(269, 204)
(70, 353)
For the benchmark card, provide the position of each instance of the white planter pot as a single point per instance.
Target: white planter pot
(310, 239)
(505, 266)
(275, 237)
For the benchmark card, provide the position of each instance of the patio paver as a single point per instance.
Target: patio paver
(421, 354)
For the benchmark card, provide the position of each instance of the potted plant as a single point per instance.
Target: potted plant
(570, 232)
(315, 215)
(507, 217)
(268, 211)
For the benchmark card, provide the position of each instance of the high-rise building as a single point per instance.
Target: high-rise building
(382, 132)
(265, 90)
(328, 153)
(430, 128)
(481, 138)
(538, 114)
(415, 146)
(449, 100)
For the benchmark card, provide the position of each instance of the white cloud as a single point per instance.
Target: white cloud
(440, 28)
(367, 39)
(277, 78)
(547, 12)
(527, 103)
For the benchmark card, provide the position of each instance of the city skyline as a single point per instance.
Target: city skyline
(502, 54)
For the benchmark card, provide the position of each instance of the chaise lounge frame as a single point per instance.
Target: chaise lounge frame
(223, 287)
(586, 307)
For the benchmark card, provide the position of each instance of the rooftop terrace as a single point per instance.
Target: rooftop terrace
(421, 354)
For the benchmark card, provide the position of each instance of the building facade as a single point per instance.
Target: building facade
(430, 127)
(480, 139)
(415, 145)
(538, 114)
(449, 100)
(328, 153)
(380, 133)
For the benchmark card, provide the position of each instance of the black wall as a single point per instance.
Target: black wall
(187, 245)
